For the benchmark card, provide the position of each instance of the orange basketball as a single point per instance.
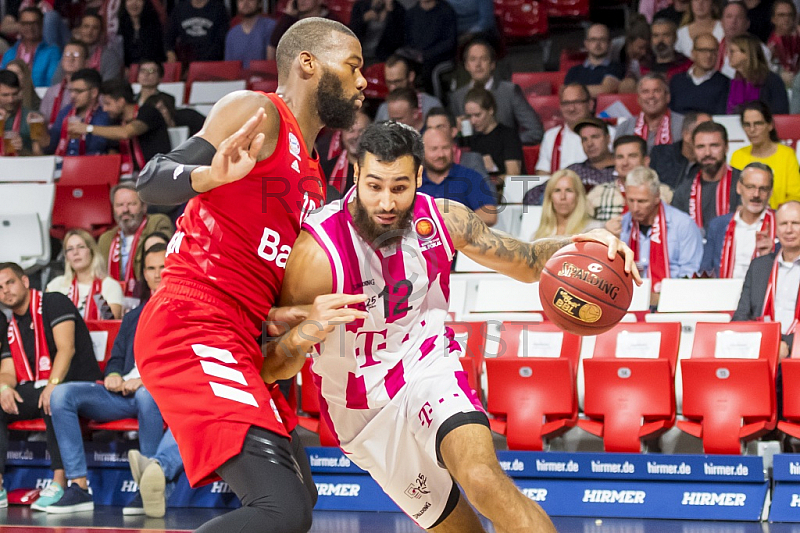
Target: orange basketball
(582, 292)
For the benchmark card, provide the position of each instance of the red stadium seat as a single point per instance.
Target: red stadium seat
(83, 170)
(172, 72)
(37, 424)
(310, 404)
(630, 100)
(472, 356)
(729, 401)
(112, 328)
(788, 128)
(260, 71)
(265, 86)
(790, 368)
(531, 155)
(521, 19)
(538, 83)
(341, 9)
(82, 207)
(548, 109)
(570, 58)
(532, 398)
(630, 399)
(567, 8)
(376, 81)
(211, 71)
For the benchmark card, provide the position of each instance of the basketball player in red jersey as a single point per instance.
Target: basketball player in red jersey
(196, 344)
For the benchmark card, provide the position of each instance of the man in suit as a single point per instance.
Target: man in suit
(513, 110)
(675, 162)
(771, 284)
(735, 239)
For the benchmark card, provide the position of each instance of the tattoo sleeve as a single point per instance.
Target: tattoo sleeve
(470, 234)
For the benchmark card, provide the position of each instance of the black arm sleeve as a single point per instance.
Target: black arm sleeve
(166, 179)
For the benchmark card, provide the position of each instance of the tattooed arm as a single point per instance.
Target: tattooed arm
(522, 261)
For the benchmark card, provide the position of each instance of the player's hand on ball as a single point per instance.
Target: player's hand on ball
(329, 311)
(238, 154)
(615, 246)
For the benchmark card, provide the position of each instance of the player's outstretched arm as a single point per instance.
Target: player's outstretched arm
(308, 281)
(522, 261)
(241, 129)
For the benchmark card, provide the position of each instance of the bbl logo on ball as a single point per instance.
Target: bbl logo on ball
(425, 229)
(571, 305)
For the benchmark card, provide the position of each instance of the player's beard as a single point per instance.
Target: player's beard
(334, 108)
(380, 235)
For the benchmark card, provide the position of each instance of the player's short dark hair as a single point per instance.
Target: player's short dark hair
(92, 78)
(441, 112)
(9, 79)
(118, 88)
(312, 35)
(711, 127)
(389, 141)
(632, 139)
(15, 268)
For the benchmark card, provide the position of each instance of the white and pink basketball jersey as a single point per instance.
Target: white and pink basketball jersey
(365, 364)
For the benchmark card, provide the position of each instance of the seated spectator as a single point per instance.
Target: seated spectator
(55, 30)
(674, 12)
(249, 39)
(656, 123)
(666, 60)
(296, 10)
(85, 280)
(665, 241)
(599, 165)
(734, 24)
(148, 241)
(735, 239)
(121, 395)
(565, 210)
(379, 25)
(142, 33)
(598, 73)
(403, 107)
(156, 476)
(702, 88)
(339, 170)
(42, 57)
(149, 78)
(473, 18)
(400, 74)
(767, 148)
(753, 80)
(105, 55)
(16, 118)
(635, 49)
(48, 344)
(441, 178)
(701, 17)
(121, 245)
(431, 35)
(439, 119)
(676, 162)
(784, 42)
(184, 116)
(498, 144)
(561, 146)
(56, 98)
(30, 99)
(141, 134)
(196, 31)
(770, 287)
(513, 110)
(84, 109)
(712, 191)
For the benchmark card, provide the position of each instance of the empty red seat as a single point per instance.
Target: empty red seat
(473, 353)
(539, 83)
(630, 399)
(521, 19)
(265, 86)
(790, 368)
(81, 170)
(532, 398)
(548, 108)
(531, 155)
(211, 71)
(82, 207)
(788, 128)
(376, 81)
(729, 401)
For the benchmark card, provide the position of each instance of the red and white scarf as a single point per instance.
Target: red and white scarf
(555, 158)
(15, 126)
(62, 88)
(22, 366)
(769, 299)
(723, 196)
(786, 50)
(339, 173)
(621, 185)
(94, 59)
(722, 53)
(115, 259)
(90, 309)
(63, 141)
(130, 151)
(729, 244)
(664, 133)
(659, 254)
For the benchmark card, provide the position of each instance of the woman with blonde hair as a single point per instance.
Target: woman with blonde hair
(754, 80)
(86, 280)
(701, 17)
(30, 99)
(565, 210)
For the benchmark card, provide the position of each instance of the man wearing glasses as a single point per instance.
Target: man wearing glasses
(702, 88)
(598, 72)
(84, 90)
(40, 56)
(57, 96)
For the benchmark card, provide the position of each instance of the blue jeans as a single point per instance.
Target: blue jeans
(168, 456)
(92, 400)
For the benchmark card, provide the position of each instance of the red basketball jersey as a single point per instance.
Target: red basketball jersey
(237, 237)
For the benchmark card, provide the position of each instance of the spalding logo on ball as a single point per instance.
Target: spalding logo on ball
(582, 292)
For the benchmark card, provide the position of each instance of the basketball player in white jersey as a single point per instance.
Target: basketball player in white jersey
(393, 390)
